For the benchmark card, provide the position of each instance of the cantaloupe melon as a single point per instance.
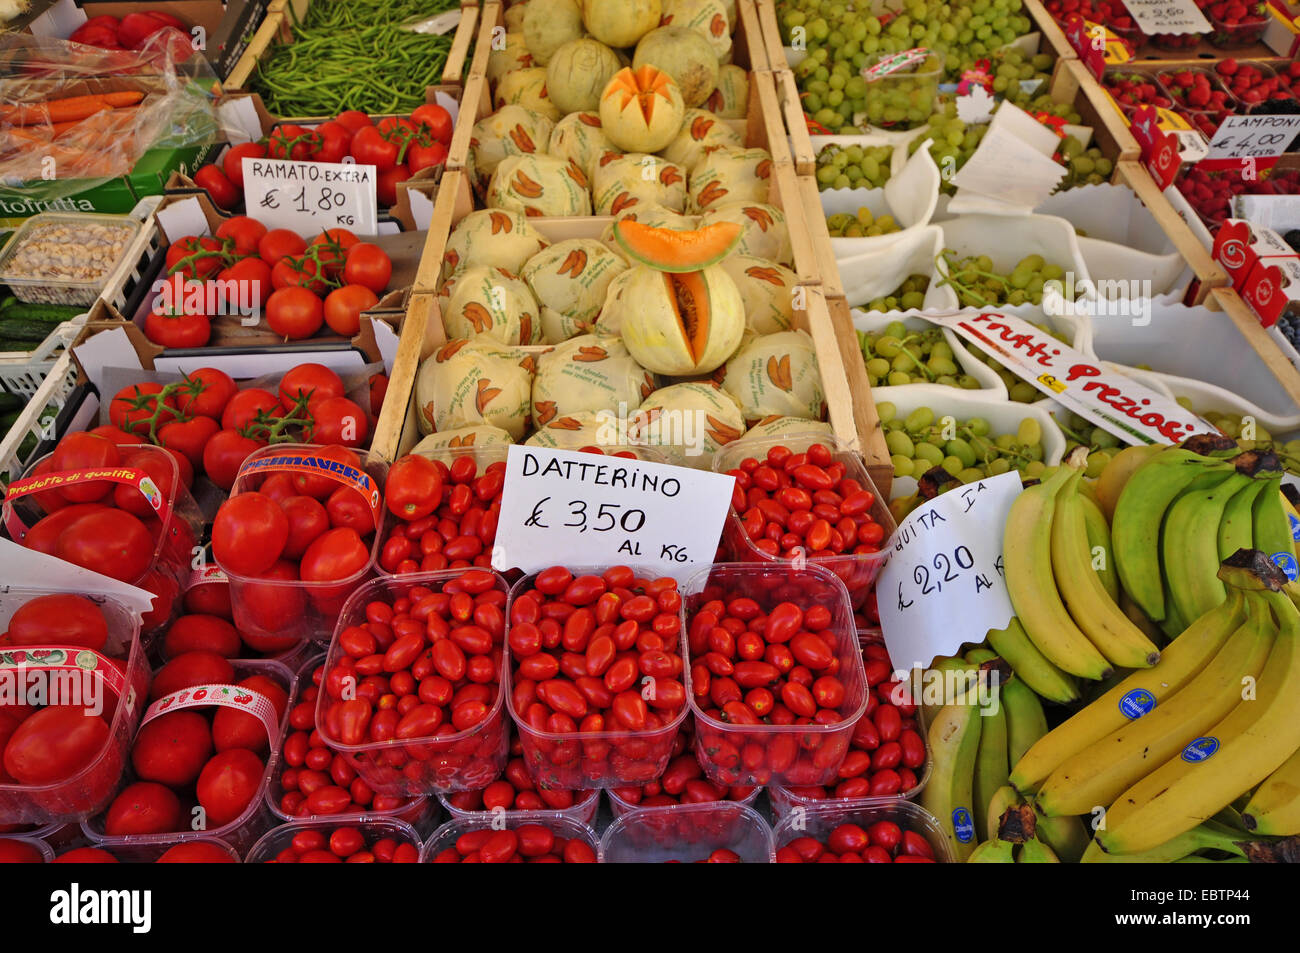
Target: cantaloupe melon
(666, 249)
(680, 324)
(641, 110)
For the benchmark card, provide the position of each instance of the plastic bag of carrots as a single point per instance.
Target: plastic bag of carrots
(70, 112)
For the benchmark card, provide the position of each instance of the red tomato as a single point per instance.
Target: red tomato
(334, 555)
(14, 851)
(111, 542)
(307, 520)
(190, 669)
(386, 184)
(220, 189)
(144, 808)
(86, 855)
(436, 120)
(343, 307)
(331, 248)
(172, 748)
(61, 619)
(347, 507)
(294, 313)
(136, 403)
(209, 598)
(368, 265)
(54, 744)
(273, 608)
(249, 534)
(313, 381)
(201, 633)
(44, 536)
(249, 282)
(178, 330)
(335, 141)
(242, 232)
(371, 147)
(338, 420)
(420, 157)
(161, 470)
(413, 488)
(225, 453)
(227, 785)
(232, 163)
(189, 437)
(239, 729)
(194, 257)
(196, 852)
(352, 119)
(291, 141)
(378, 391)
(280, 243)
(83, 451)
(246, 405)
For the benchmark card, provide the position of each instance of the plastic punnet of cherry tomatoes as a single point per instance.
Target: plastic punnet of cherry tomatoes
(887, 751)
(873, 842)
(529, 842)
(773, 649)
(412, 687)
(361, 843)
(516, 791)
(316, 781)
(683, 782)
(596, 685)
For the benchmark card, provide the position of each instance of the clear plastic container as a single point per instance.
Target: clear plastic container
(687, 833)
(1229, 36)
(1131, 35)
(145, 853)
(1175, 42)
(372, 828)
(256, 817)
(170, 565)
(857, 572)
(594, 759)
(65, 258)
(293, 610)
(44, 849)
(463, 761)
(1166, 80)
(620, 807)
(744, 755)
(483, 458)
(560, 825)
(901, 98)
(420, 812)
(583, 811)
(818, 822)
(75, 798)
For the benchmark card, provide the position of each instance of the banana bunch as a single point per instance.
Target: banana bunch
(1183, 510)
(974, 739)
(1170, 747)
(1065, 590)
(1189, 845)
(1015, 840)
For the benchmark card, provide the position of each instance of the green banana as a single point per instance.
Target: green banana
(1003, 798)
(1202, 837)
(954, 739)
(1194, 859)
(1026, 722)
(1031, 666)
(1067, 836)
(995, 851)
(1189, 546)
(930, 710)
(1235, 528)
(1034, 851)
(1135, 525)
(1270, 528)
(1099, 537)
(991, 767)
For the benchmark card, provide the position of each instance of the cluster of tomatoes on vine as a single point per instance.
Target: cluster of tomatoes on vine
(246, 268)
(398, 148)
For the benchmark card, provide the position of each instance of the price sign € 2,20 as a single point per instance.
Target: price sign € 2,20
(562, 507)
(309, 197)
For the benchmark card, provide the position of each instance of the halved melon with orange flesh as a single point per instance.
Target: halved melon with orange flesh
(679, 324)
(641, 110)
(667, 249)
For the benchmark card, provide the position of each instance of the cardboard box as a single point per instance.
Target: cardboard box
(1239, 245)
(1273, 289)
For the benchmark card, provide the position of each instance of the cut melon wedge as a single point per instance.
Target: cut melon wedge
(667, 249)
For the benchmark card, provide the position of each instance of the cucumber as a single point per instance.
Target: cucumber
(49, 313)
(11, 403)
(33, 332)
(13, 344)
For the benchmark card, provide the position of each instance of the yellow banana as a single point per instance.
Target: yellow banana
(1093, 609)
(994, 851)
(1189, 548)
(1207, 836)
(930, 709)
(1117, 471)
(1247, 746)
(1099, 539)
(1133, 696)
(1031, 666)
(1027, 553)
(1067, 836)
(954, 739)
(1003, 798)
(1101, 772)
(1274, 808)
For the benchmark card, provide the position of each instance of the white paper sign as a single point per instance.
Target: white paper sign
(1013, 162)
(307, 197)
(1118, 404)
(943, 584)
(1192, 146)
(563, 507)
(1167, 16)
(1253, 137)
(1278, 212)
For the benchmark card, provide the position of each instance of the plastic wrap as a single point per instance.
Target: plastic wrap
(157, 97)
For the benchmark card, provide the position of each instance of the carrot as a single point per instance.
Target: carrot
(127, 97)
(71, 109)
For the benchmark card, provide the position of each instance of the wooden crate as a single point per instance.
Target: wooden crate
(277, 28)
(771, 43)
(475, 103)
(490, 16)
(1073, 83)
(749, 46)
(1228, 301)
(790, 103)
(1209, 275)
(389, 440)
(1053, 35)
(853, 409)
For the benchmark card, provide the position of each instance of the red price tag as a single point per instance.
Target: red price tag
(1160, 152)
(1079, 34)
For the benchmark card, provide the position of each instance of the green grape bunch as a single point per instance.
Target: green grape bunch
(897, 355)
(862, 225)
(853, 167)
(909, 296)
(1079, 432)
(978, 286)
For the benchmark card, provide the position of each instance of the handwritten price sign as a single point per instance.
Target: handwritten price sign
(1167, 16)
(307, 197)
(1257, 138)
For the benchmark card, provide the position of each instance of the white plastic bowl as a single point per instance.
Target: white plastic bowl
(990, 383)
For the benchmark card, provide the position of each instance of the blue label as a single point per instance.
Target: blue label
(1295, 525)
(962, 825)
(1286, 562)
(1136, 703)
(1200, 750)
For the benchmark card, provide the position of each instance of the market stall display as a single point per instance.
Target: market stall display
(906, 301)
